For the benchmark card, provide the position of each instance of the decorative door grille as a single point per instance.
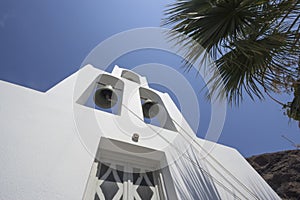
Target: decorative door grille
(122, 182)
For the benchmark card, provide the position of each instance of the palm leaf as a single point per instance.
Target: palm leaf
(255, 43)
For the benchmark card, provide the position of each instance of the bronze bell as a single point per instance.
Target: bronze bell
(150, 108)
(105, 97)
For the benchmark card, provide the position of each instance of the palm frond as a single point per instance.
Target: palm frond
(255, 43)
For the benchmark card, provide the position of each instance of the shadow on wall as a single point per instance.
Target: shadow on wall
(261, 191)
(191, 181)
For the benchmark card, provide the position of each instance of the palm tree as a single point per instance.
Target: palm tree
(255, 44)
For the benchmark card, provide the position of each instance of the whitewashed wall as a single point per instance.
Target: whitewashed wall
(48, 143)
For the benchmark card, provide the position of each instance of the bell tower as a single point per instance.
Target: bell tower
(109, 136)
(127, 166)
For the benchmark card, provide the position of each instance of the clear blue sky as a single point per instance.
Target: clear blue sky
(42, 42)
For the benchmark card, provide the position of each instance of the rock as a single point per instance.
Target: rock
(281, 171)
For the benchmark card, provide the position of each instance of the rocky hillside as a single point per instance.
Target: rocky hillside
(281, 170)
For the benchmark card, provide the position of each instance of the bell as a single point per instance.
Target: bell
(105, 97)
(150, 108)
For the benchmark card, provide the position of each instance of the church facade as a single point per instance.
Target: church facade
(99, 135)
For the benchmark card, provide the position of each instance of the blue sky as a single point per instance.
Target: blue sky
(43, 42)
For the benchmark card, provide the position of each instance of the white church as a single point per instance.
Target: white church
(109, 136)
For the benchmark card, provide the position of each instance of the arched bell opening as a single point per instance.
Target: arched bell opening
(154, 110)
(106, 94)
(129, 75)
